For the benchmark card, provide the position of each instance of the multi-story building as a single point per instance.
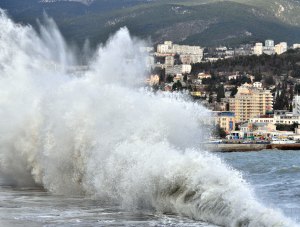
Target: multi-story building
(263, 119)
(296, 104)
(173, 70)
(163, 49)
(285, 117)
(204, 76)
(190, 58)
(258, 49)
(250, 102)
(185, 49)
(186, 68)
(178, 69)
(269, 50)
(269, 43)
(243, 50)
(188, 54)
(169, 48)
(169, 60)
(257, 84)
(225, 119)
(296, 45)
(281, 48)
(153, 80)
(279, 117)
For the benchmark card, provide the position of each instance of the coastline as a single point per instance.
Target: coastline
(249, 147)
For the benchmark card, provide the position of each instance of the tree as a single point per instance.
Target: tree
(177, 86)
(257, 77)
(291, 108)
(277, 103)
(210, 98)
(269, 80)
(233, 91)
(283, 127)
(291, 94)
(282, 100)
(220, 93)
(169, 79)
(297, 88)
(185, 77)
(219, 132)
(245, 79)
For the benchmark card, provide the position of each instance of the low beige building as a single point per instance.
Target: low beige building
(153, 80)
(225, 119)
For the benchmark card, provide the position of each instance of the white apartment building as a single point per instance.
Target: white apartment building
(258, 49)
(263, 119)
(281, 48)
(269, 43)
(178, 69)
(285, 117)
(169, 61)
(296, 45)
(269, 48)
(163, 49)
(296, 104)
(195, 53)
(169, 48)
(185, 49)
(186, 68)
(221, 48)
(190, 58)
(257, 84)
(279, 117)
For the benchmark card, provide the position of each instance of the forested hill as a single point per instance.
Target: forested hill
(201, 22)
(280, 73)
(287, 64)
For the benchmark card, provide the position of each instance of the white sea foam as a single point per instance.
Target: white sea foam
(99, 135)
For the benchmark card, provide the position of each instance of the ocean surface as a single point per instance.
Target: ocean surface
(274, 175)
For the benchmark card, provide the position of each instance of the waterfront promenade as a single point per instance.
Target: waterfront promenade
(223, 147)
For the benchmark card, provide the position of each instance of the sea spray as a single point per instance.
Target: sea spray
(99, 135)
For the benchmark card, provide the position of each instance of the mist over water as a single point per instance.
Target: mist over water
(100, 135)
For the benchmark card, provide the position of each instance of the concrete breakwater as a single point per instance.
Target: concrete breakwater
(249, 147)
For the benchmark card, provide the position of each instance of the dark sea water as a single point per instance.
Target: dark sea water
(34, 207)
(274, 175)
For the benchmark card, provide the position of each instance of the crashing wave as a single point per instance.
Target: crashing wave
(99, 135)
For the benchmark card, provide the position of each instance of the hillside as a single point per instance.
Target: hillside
(203, 22)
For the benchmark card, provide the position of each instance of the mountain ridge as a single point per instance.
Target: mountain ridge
(85, 2)
(201, 22)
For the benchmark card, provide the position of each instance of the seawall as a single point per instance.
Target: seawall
(249, 147)
(235, 147)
